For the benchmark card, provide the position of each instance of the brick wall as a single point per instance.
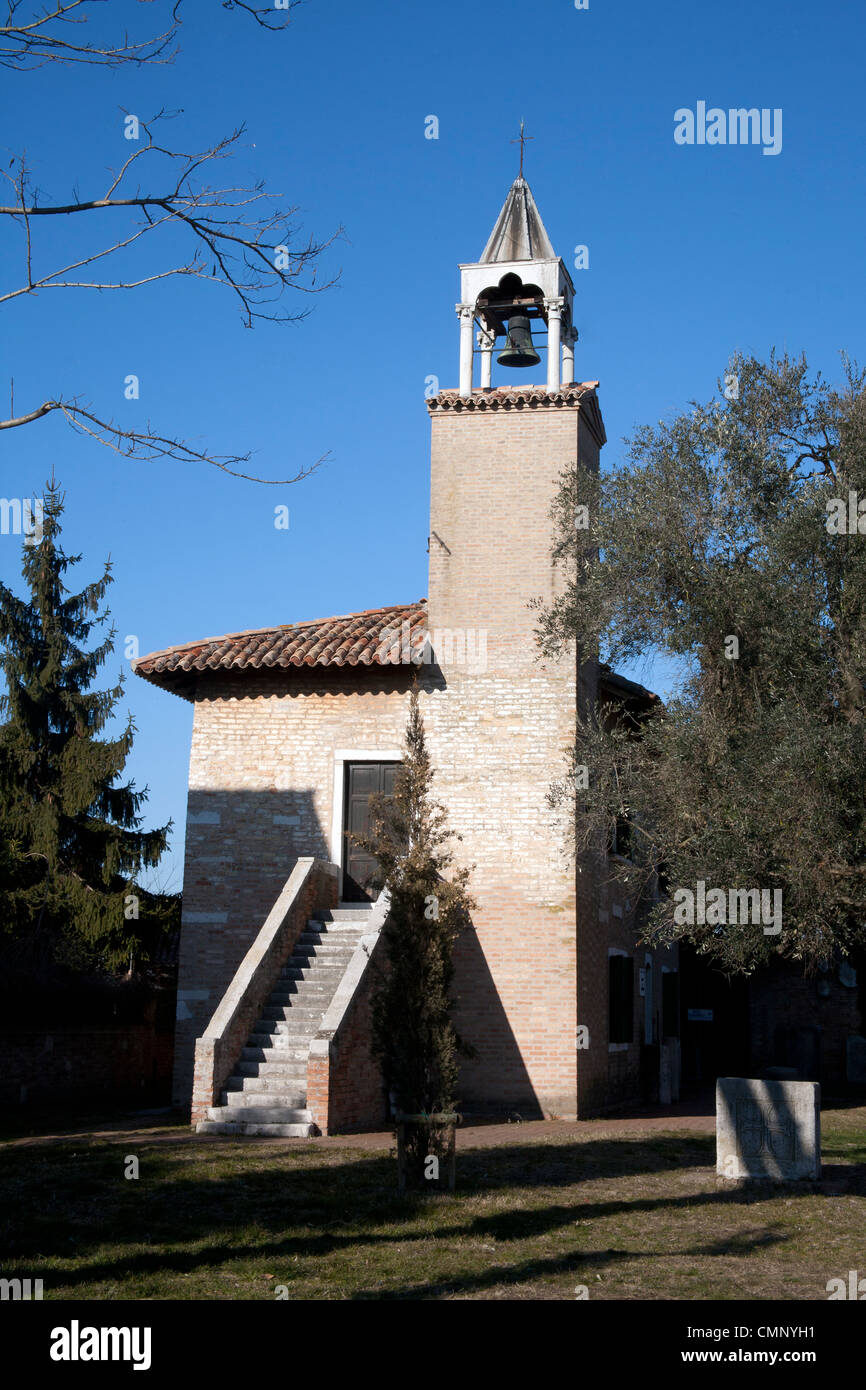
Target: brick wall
(610, 1076)
(261, 795)
(499, 738)
(783, 1002)
(262, 773)
(129, 1064)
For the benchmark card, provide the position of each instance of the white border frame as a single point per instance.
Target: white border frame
(341, 757)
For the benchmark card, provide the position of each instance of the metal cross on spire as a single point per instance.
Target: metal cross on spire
(521, 140)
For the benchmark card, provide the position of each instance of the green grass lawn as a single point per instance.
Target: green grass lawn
(638, 1217)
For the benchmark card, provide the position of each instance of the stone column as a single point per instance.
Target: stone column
(485, 343)
(569, 340)
(554, 325)
(467, 315)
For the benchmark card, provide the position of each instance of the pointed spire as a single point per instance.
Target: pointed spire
(519, 234)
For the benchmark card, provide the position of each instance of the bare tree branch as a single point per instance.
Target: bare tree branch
(145, 445)
(27, 419)
(52, 35)
(241, 238)
(268, 16)
(238, 231)
(60, 34)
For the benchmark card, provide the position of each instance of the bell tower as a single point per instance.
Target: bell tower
(498, 451)
(500, 719)
(518, 284)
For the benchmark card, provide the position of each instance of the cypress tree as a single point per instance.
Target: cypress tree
(73, 843)
(414, 1037)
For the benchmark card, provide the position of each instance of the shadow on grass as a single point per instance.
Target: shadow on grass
(577, 1263)
(60, 1203)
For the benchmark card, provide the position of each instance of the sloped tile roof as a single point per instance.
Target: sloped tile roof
(375, 637)
(511, 397)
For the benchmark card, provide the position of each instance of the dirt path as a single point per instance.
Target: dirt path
(159, 1129)
(695, 1117)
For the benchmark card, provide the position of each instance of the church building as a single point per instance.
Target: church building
(295, 726)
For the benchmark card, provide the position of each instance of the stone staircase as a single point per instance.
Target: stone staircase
(267, 1092)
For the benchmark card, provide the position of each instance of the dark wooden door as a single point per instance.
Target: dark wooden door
(363, 780)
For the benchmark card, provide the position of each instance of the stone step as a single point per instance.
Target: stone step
(304, 1007)
(306, 1012)
(286, 1088)
(323, 951)
(294, 1047)
(298, 1006)
(315, 977)
(286, 1013)
(321, 948)
(298, 1029)
(298, 1018)
(293, 1078)
(334, 931)
(321, 971)
(344, 938)
(263, 1113)
(317, 969)
(300, 1002)
(269, 1131)
(292, 1075)
(322, 974)
(280, 1071)
(272, 1110)
(344, 912)
(323, 985)
(324, 946)
(291, 1043)
(299, 1015)
(266, 1100)
(267, 1051)
(316, 987)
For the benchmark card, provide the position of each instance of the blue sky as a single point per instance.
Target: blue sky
(694, 252)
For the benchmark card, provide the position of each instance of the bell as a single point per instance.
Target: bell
(518, 350)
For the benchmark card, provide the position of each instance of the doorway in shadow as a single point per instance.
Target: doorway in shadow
(714, 1022)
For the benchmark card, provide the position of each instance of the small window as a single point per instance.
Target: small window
(670, 1004)
(621, 999)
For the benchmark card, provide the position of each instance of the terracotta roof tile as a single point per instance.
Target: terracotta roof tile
(509, 397)
(376, 637)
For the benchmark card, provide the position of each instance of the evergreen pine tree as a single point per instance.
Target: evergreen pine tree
(72, 838)
(414, 1037)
